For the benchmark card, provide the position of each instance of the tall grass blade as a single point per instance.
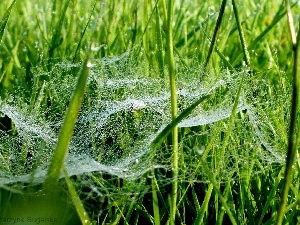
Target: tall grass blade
(191, 34)
(212, 179)
(204, 206)
(231, 120)
(241, 33)
(85, 220)
(57, 40)
(160, 53)
(217, 27)
(145, 22)
(5, 18)
(130, 210)
(270, 197)
(222, 56)
(155, 200)
(171, 68)
(82, 34)
(279, 15)
(294, 138)
(66, 132)
(228, 198)
(291, 22)
(182, 61)
(119, 215)
(195, 198)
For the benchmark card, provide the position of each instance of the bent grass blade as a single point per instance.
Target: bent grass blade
(167, 130)
(76, 200)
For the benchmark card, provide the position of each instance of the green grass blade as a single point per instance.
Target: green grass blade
(195, 198)
(204, 206)
(56, 38)
(223, 200)
(82, 35)
(191, 34)
(228, 198)
(279, 15)
(217, 27)
(271, 196)
(159, 54)
(5, 18)
(145, 23)
(180, 57)
(66, 133)
(241, 33)
(85, 220)
(155, 200)
(167, 130)
(247, 201)
(291, 22)
(294, 136)
(222, 56)
(119, 215)
(130, 210)
(174, 108)
(232, 119)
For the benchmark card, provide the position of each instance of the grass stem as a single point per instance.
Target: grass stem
(217, 27)
(155, 200)
(66, 133)
(241, 33)
(293, 141)
(5, 18)
(76, 200)
(171, 69)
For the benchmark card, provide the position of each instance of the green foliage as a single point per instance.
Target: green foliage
(3, 22)
(5, 18)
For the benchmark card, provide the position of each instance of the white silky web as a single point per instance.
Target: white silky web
(126, 105)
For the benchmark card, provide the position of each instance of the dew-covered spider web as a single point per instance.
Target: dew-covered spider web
(126, 105)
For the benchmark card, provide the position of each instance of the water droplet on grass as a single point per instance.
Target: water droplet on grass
(89, 65)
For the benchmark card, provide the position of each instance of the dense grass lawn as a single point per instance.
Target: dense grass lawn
(149, 112)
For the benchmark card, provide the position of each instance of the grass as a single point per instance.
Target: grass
(228, 168)
(174, 108)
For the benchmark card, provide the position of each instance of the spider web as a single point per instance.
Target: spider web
(126, 105)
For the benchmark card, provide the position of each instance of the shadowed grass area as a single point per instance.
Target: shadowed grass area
(127, 154)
